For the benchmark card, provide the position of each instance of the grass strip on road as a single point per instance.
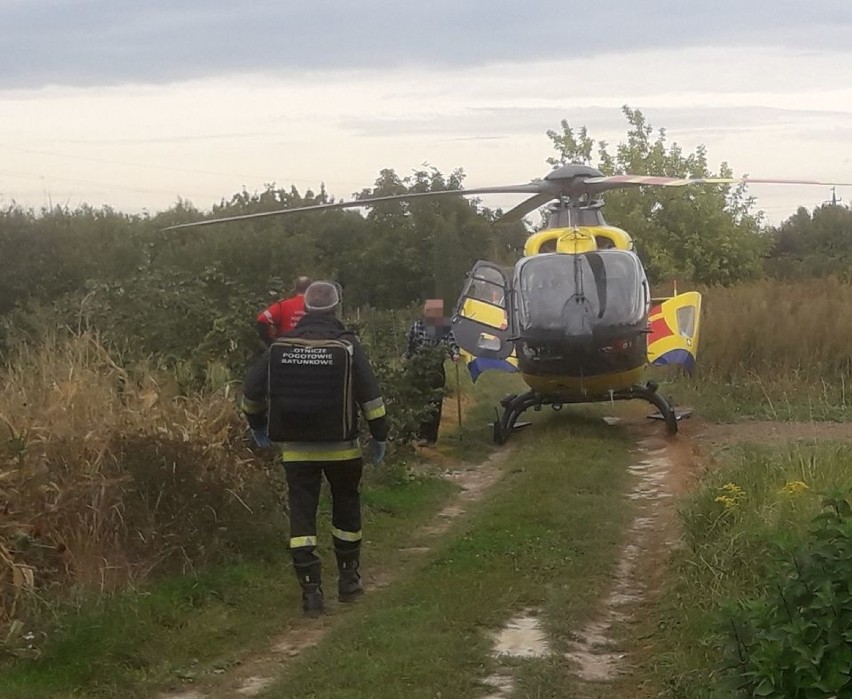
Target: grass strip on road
(547, 539)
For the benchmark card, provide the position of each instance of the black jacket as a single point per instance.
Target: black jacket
(366, 394)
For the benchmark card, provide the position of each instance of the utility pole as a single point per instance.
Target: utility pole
(835, 200)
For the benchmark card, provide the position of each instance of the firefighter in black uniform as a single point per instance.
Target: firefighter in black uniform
(303, 395)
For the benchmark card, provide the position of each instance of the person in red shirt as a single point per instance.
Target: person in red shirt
(283, 315)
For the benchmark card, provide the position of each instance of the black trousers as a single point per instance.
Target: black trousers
(304, 480)
(431, 424)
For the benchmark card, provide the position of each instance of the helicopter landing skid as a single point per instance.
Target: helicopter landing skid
(515, 405)
(650, 393)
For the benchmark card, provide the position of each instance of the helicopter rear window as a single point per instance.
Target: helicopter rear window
(575, 293)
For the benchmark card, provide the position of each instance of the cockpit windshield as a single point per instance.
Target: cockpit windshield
(574, 294)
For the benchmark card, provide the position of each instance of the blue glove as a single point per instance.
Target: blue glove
(376, 451)
(261, 438)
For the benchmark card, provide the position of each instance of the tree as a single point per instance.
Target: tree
(706, 234)
(421, 247)
(57, 251)
(813, 245)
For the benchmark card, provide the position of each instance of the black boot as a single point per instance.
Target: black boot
(312, 601)
(349, 586)
(310, 580)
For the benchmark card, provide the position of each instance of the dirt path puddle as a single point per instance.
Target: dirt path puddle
(521, 637)
(474, 482)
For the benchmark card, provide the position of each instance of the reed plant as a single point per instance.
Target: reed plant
(772, 350)
(108, 474)
(773, 327)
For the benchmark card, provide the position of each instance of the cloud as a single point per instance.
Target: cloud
(107, 42)
(769, 112)
(503, 122)
(479, 122)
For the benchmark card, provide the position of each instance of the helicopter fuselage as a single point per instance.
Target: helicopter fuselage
(580, 322)
(574, 321)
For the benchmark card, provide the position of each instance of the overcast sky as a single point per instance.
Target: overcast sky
(134, 104)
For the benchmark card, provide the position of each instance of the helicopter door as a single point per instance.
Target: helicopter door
(674, 331)
(482, 321)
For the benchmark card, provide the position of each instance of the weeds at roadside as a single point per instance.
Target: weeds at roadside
(741, 530)
(795, 639)
(797, 397)
(109, 478)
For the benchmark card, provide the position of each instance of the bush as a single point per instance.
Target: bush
(405, 384)
(796, 641)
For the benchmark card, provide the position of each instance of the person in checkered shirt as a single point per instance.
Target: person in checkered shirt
(432, 335)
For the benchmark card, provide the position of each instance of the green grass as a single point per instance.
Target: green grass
(127, 643)
(788, 397)
(547, 538)
(475, 438)
(123, 645)
(114, 647)
(736, 528)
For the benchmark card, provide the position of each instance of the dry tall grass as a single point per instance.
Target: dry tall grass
(771, 328)
(107, 474)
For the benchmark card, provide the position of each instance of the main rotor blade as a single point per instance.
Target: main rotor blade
(614, 181)
(522, 209)
(755, 180)
(531, 187)
(617, 181)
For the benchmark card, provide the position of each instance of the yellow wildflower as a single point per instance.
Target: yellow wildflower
(730, 495)
(794, 488)
(727, 501)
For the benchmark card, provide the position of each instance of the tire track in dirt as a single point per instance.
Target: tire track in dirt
(662, 468)
(715, 436)
(604, 653)
(596, 652)
(252, 674)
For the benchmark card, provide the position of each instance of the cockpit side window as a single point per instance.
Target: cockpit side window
(487, 285)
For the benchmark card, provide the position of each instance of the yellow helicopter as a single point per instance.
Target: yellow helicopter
(575, 315)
